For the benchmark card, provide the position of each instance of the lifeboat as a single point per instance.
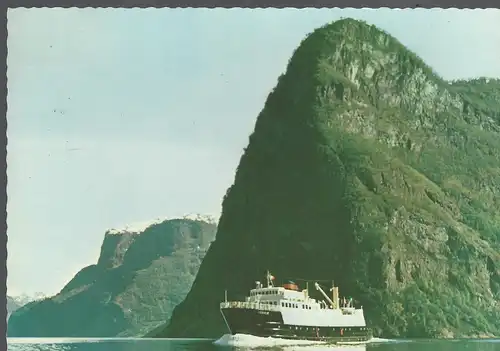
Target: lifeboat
(291, 286)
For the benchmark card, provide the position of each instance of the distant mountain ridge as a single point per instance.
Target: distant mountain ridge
(24, 299)
(12, 305)
(16, 302)
(142, 272)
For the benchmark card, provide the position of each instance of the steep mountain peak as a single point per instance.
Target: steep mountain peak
(352, 60)
(366, 168)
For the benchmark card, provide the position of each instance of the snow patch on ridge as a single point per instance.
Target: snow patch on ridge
(140, 227)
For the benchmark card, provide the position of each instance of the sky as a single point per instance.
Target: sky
(117, 116)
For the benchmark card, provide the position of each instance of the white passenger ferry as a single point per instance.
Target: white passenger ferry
(289, 313)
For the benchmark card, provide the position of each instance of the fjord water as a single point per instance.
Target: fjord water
(31, 344)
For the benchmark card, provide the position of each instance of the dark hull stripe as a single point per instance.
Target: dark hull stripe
(270, 324)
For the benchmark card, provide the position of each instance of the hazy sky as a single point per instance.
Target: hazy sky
(118, 116)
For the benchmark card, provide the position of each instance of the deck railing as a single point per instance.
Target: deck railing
(249, 305)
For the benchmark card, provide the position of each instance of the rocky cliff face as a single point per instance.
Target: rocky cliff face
(141, 275)
(366, 168)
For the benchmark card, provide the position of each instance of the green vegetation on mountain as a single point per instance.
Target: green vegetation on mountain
(365, 167)
(138, 280)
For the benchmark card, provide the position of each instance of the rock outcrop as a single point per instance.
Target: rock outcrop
(141, 275)
(366, 168)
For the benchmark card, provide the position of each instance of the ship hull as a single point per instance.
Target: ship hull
(270, 324)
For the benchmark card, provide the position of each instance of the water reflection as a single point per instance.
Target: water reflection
(110, 345)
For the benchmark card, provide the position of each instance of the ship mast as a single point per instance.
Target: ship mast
(270, 279)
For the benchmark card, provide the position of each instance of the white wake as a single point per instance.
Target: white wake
(250, 341)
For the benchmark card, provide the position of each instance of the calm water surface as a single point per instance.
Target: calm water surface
(27, 344)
